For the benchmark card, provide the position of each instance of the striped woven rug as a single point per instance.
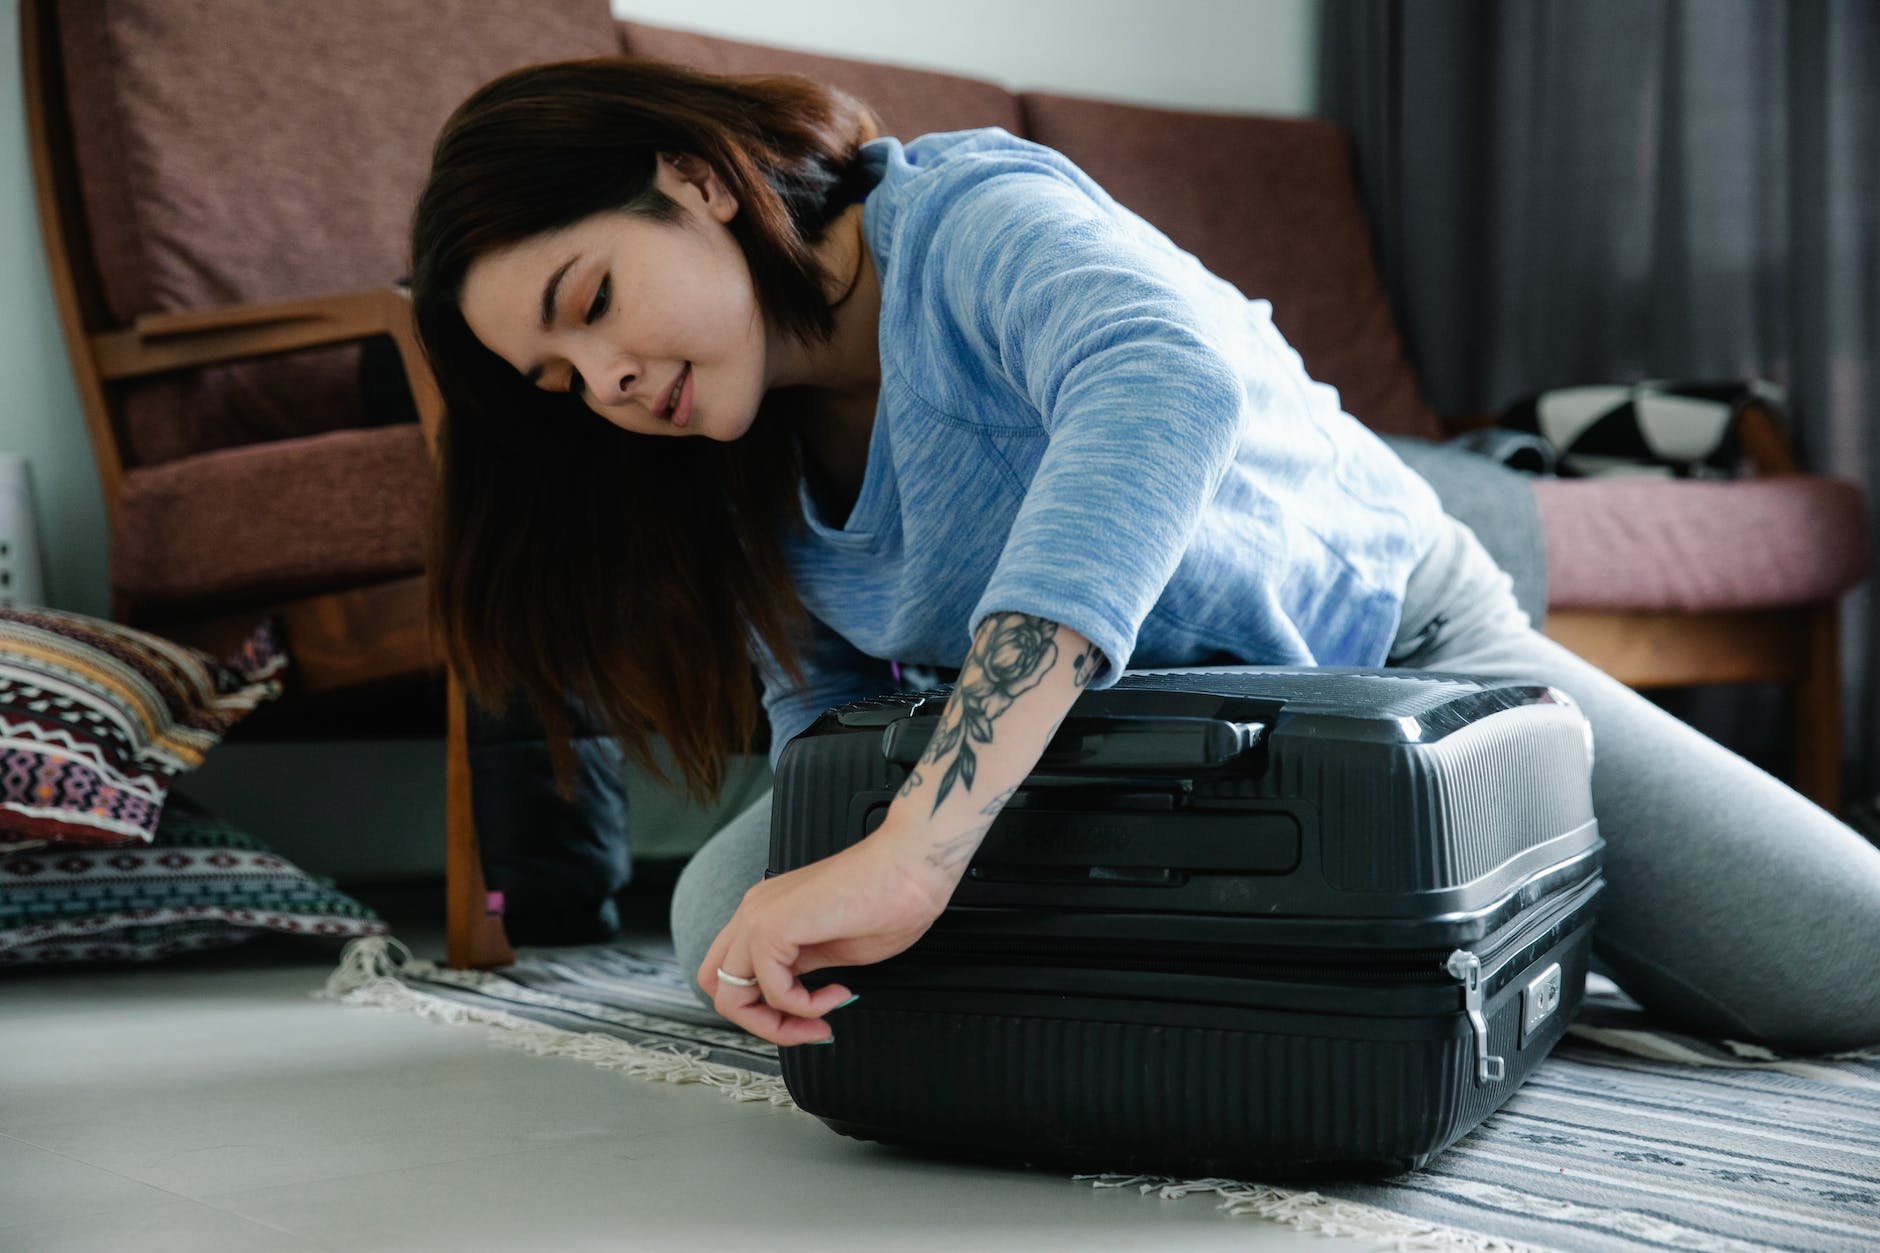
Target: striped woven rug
(1625, 1138)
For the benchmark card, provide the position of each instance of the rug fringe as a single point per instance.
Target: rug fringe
(1316, 1214)
(368, 977)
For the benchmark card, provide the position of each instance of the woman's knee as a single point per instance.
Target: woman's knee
(714, 881)
(1821, 1003)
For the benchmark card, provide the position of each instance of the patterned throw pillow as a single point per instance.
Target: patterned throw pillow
(200, 884)
(97, 718)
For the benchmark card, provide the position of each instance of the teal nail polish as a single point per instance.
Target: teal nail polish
(830, 1040)
(847, 1003)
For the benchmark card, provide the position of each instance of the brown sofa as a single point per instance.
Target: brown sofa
(199, 158)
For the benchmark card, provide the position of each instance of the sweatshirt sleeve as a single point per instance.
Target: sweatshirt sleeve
(1141, 409)
(835, 673)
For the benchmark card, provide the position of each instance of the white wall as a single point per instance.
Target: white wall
(40, 417)
(1236, 55)
(1254, 56)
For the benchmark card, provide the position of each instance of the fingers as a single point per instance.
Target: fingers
(777, 977)
(779, 1009)
(707, 973)
(779, 1028)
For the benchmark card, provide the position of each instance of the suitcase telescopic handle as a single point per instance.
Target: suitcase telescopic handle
(1109, 743)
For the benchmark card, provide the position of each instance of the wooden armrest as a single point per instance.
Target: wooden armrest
(1460, 424)
(1763, 442)
(161, 343)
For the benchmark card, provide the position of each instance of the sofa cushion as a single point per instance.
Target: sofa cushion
(908, 102)
(1270, 205)
(332, 107)
(203, 883)
(269, 520)
(1653, 545)
(99, 717)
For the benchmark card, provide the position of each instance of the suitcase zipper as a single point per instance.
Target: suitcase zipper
(1468, 968)
(1295, 970)
(945, 945)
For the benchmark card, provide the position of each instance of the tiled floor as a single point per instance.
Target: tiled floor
(213, 1106)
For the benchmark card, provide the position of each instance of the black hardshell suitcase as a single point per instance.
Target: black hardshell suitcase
(1255, 922)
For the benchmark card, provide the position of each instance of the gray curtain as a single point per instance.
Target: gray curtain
(1574, 191)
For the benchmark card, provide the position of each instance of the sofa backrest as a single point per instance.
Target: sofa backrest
(1269, 204)
(246, 152)
(239, 152)
(907, 101)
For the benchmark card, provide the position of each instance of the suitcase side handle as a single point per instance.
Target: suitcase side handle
(1109, 743)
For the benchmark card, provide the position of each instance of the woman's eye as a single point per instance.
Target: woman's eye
(599, 306)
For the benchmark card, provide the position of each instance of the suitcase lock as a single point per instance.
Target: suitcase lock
(1539, 1000)
(1467, 967)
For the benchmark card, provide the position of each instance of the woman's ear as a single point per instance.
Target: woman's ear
(691, 181)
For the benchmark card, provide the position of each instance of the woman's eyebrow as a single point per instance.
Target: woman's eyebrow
(534, 373)
(548, 293)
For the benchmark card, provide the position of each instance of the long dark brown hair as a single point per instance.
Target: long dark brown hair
(569, 558)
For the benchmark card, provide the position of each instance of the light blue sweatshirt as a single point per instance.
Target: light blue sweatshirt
(1078, 421)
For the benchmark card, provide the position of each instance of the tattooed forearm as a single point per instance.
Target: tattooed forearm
(998, 802)
(1089, 665)
(950, 854)
(914, 780)
(1013, 653)
(953, 853)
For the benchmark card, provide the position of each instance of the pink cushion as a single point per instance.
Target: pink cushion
(1646, 545)
(908, 102)
(1270, 205)
(255, 152)
(244, 525)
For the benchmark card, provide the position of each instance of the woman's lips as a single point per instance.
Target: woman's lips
(679, 410)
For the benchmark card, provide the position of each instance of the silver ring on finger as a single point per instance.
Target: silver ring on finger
(736, 981)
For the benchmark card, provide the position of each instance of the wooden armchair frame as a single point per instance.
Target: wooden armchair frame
(337, 640)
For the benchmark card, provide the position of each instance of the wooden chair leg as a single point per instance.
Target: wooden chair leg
(474, 936)
(1818, 711)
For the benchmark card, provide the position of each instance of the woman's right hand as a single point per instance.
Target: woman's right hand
(856, 907)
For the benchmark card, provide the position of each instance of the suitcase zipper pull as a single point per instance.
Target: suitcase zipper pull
(1467, 967)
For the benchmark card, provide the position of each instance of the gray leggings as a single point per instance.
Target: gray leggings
(1734, 908)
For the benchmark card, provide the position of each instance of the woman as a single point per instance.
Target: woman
(729, 379)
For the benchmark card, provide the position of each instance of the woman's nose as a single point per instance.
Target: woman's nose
(611, 378)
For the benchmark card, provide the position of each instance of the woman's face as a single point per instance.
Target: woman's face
(655, 325)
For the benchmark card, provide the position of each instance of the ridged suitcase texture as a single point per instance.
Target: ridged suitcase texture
(1253, 921)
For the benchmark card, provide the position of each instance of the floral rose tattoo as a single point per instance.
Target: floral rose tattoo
(1007, 661)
